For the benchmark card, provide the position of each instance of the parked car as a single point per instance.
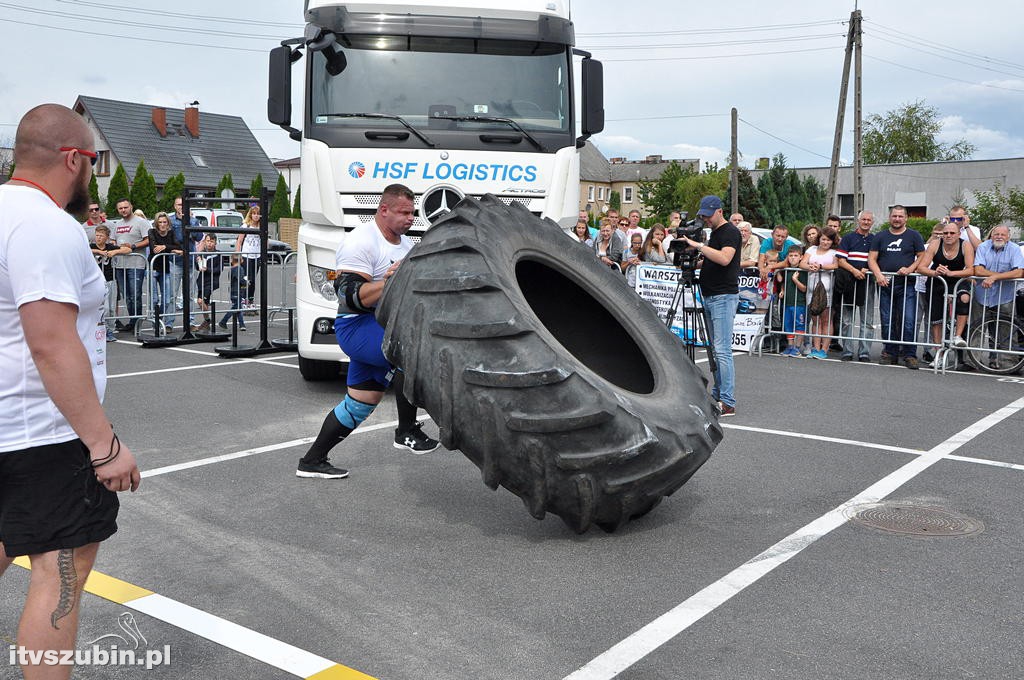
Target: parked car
(276, 250)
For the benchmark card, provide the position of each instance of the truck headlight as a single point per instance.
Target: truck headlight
(322, 281)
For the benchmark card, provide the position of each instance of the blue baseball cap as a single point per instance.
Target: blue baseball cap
(708, 206)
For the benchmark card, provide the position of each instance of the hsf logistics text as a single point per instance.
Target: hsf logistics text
(495, 172)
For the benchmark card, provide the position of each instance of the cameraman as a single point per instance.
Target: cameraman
(719, 286)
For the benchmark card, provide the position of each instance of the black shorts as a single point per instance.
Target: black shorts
(50, 500)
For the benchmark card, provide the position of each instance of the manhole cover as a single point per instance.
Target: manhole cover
(913, 520)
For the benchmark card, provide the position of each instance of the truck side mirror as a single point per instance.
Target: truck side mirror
(279, 90)
(593, 99)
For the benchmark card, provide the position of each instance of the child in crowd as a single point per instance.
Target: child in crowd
(794, 300)
(820, 260)
(104, 249)
(237, 295)
(632, 258)
(208, 269)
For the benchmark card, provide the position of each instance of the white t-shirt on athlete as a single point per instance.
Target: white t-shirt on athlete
(365, 250)
(44, 254)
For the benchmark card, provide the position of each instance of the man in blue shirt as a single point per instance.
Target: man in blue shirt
(894, 256)
(998, 260)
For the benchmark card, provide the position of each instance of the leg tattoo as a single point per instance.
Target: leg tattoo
(68, 586)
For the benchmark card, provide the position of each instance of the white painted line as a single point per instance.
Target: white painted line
(821, 438)
(983, 461)
(228, 362)
(641, 643)
(260, 449)
(231, 635)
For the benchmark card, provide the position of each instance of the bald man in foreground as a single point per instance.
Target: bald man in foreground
(61, 465)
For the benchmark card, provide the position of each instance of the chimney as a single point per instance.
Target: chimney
(192, 121)
(160, 120)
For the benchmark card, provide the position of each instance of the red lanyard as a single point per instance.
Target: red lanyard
(28, 181)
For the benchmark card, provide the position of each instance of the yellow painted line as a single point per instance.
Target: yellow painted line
(101, 585)
(339, 672)
(281, 655)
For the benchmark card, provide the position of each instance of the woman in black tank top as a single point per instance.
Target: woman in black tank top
(950, 259)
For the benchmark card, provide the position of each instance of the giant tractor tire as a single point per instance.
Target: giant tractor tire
(538, 362)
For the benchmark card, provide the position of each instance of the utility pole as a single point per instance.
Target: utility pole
(858, 187)
(734, 173)
(852, 37)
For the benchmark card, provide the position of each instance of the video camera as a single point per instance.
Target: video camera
(684, 255)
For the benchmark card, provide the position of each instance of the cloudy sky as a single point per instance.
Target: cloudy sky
(673, 69)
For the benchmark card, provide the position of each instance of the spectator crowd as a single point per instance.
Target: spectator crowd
(133, 248)
(833, 292)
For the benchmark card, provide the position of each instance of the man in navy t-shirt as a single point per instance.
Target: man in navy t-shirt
(893, 257)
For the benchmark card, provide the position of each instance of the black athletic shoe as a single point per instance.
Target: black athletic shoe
(414, 440)
(320, 470)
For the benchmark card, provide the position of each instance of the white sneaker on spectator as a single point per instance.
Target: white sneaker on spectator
(958, 341)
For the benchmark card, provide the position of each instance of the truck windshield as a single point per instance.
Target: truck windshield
(423, 79)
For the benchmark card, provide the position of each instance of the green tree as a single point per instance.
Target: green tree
(694, 186)
(997, 205)
(94, 190)
(769, 202)
(143, 191)
(256, 187)
(280, 207)
(658, 194)
(297, 207)
(614, 200)
(173, 188)
(117, 190)
(748, 198)
(814, 193)
(225, 183)
(909, 134)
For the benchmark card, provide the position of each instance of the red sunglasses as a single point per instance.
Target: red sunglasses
(91, 155)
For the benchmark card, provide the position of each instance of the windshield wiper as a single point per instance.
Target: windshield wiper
(387, 116)
(493, 119)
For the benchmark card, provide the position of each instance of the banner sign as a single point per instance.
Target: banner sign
(658, 283)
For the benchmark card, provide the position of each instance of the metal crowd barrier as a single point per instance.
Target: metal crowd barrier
(992, 340)
(233, 298)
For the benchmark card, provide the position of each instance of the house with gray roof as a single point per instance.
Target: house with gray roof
(600, 176)
(204, 146)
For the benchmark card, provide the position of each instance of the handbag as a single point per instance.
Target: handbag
(819, 299)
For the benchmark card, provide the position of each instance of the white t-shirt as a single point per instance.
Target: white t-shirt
(365, 250)
(62, 270)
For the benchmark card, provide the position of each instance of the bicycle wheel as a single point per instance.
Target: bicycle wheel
(997, 346)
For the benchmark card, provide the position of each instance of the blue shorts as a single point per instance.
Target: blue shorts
(793, 320)
(362, 339)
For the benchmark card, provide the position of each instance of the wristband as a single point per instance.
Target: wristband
(115, 451)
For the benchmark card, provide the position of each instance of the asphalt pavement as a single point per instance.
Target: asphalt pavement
(761, 566)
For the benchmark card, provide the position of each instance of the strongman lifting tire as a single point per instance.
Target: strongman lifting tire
(538, 363)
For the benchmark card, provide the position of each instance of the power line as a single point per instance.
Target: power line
(133, 37)
(980, 57)
(786, 141)
(163, 13)
(725, 43)
(723, 56)
(69, 15)
(935, 53)
(945, 77)
(695, 115)
(712, 31)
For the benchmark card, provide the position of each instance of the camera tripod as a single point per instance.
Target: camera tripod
(694, 324)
